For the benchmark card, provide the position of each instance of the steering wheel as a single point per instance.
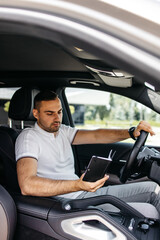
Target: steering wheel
(126, 172)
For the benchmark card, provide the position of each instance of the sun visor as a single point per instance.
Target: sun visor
(114, 77)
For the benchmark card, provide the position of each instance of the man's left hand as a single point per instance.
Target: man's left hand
(143, 126)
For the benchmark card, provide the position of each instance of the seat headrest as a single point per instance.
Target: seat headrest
(21, 104)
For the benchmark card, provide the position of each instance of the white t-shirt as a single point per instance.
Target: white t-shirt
(53, 153)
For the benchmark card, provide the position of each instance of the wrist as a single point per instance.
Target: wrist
(77, 185)
(131, 132)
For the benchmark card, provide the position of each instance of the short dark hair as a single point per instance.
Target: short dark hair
(45, 95)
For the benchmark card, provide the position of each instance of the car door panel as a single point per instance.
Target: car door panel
(85, 152)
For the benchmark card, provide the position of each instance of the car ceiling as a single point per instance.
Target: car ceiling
(24, 57)
(28, 60)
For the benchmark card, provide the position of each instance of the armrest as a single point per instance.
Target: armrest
(35, 206)
(94, 201)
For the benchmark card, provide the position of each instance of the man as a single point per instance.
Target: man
(45, 162)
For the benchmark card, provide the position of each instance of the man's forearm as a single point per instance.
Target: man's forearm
(37, 186)
(101, 136)
(111, 135)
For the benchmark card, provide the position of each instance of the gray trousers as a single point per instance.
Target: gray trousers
(141, 192)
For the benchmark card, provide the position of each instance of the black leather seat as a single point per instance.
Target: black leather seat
(21, 104)
(8, 215)
(7, 155)
(20, 109)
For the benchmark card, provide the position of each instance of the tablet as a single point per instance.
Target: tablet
(96, 169)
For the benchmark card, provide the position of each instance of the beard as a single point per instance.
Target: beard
(54, 127)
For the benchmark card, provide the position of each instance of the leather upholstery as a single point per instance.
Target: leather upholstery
(8, 215)
(20, 108)
(21, 104)
(7, 155)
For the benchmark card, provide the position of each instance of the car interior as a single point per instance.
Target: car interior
(31, 62)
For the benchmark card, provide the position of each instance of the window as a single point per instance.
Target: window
(93, 109)
(5, 96)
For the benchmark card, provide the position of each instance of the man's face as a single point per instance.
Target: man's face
(49, 115)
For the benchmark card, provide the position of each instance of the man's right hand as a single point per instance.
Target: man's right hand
(91, 186)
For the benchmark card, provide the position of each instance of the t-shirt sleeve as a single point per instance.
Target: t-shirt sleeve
(70, 132)
(26, 145)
